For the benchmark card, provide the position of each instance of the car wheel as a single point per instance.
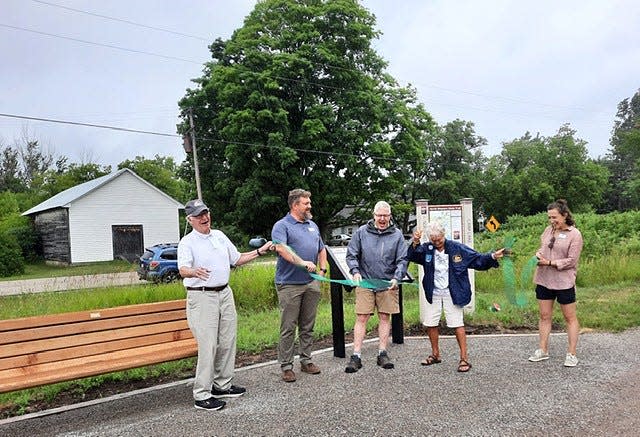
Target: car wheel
(170, 276)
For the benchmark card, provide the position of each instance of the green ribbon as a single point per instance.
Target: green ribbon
(369, 283)
(516, 295)
(372, 284)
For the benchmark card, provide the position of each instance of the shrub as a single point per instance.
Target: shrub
(11, 260)
(20, 228)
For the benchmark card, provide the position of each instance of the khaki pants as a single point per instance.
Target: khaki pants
(298, 307)
(213, 321)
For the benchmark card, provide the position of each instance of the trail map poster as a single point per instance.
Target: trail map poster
(449, 216)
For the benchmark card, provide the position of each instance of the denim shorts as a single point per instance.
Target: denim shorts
(564, 297)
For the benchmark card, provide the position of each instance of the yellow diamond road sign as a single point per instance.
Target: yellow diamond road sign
(492, 224)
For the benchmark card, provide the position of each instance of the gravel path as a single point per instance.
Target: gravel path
(503, 395)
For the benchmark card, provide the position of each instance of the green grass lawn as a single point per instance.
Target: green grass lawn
(42, 270)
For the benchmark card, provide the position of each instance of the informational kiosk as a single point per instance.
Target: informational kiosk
(457, 221)
(339, 270)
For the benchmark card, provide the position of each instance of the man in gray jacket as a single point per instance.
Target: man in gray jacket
(376, 251)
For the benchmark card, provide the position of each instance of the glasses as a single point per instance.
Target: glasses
(383, 215)
(552, 242)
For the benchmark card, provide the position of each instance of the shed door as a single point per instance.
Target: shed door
(128, 242)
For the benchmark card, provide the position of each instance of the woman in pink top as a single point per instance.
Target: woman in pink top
(555, 278)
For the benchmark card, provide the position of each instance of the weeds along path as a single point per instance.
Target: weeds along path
(61, 283)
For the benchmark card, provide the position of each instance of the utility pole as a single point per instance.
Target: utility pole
(192, 133)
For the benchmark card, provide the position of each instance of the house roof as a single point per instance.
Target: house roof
(65, 198)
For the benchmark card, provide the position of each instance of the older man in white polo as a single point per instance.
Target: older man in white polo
(205, 257)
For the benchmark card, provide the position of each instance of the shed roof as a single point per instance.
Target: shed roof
(65, 198)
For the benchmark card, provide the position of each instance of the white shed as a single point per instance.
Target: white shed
(111, 217)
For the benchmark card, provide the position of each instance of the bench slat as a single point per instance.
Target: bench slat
(41, 374)
(42, 351)
(83, 327)
(80, 316)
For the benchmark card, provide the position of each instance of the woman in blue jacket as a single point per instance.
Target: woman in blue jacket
(446, 284)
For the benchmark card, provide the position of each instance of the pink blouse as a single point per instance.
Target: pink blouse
(564, 254)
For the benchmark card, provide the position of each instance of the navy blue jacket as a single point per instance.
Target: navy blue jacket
(461, 258)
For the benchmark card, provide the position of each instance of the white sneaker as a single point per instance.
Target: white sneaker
(539, 355)
(571, 360)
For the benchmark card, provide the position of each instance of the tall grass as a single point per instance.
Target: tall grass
(611, 252)
(27, 305)
(253, 287)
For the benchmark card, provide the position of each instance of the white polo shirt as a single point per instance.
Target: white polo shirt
(213, 251)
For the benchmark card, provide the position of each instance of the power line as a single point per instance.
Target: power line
(142, 52)
(281, 78)
(297, 149)
(100, 126)
(508, 99)
(306, 82)
(133, 23)
(457, 91)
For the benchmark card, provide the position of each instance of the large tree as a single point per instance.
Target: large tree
(531, 172)
(10, 173)
(457, 163)
(297, 97)
(623, 159)
(412, 133)
(65, 176)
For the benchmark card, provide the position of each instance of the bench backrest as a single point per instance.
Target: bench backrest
(60, 347)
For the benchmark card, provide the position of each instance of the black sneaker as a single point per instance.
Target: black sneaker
(232, 392)
(355, 363)
(210, 404)
(384, 361)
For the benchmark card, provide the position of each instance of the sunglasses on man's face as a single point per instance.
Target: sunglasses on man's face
(552, 242)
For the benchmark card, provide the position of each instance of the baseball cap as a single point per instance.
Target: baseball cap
(195, 208)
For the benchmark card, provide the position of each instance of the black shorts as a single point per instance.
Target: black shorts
(564, 297)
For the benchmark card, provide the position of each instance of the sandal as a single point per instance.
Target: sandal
(464, 366)
(431, 359)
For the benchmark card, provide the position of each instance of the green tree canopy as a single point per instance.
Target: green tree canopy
(624, 158)
(531, 172)
(65, 176)
(163, 173)
(298, 97)
(10, 174)
(457, 163)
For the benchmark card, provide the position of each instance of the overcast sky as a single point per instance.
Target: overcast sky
(508, 66)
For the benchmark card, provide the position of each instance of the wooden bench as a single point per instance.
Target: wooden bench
(41, 350)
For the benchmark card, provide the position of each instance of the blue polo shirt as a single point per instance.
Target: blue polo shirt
(304, 238)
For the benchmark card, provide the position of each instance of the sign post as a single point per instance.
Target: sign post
(338, 270)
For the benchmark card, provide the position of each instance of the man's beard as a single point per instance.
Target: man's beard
(308, 215)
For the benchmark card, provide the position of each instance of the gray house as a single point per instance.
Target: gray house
(112, 217)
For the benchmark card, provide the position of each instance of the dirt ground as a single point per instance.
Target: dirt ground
(110, 388)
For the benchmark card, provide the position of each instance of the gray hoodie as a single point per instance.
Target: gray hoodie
(377, 254)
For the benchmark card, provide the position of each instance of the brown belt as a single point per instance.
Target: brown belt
(220, 288)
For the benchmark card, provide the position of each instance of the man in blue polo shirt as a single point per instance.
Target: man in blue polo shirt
(300, 251)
